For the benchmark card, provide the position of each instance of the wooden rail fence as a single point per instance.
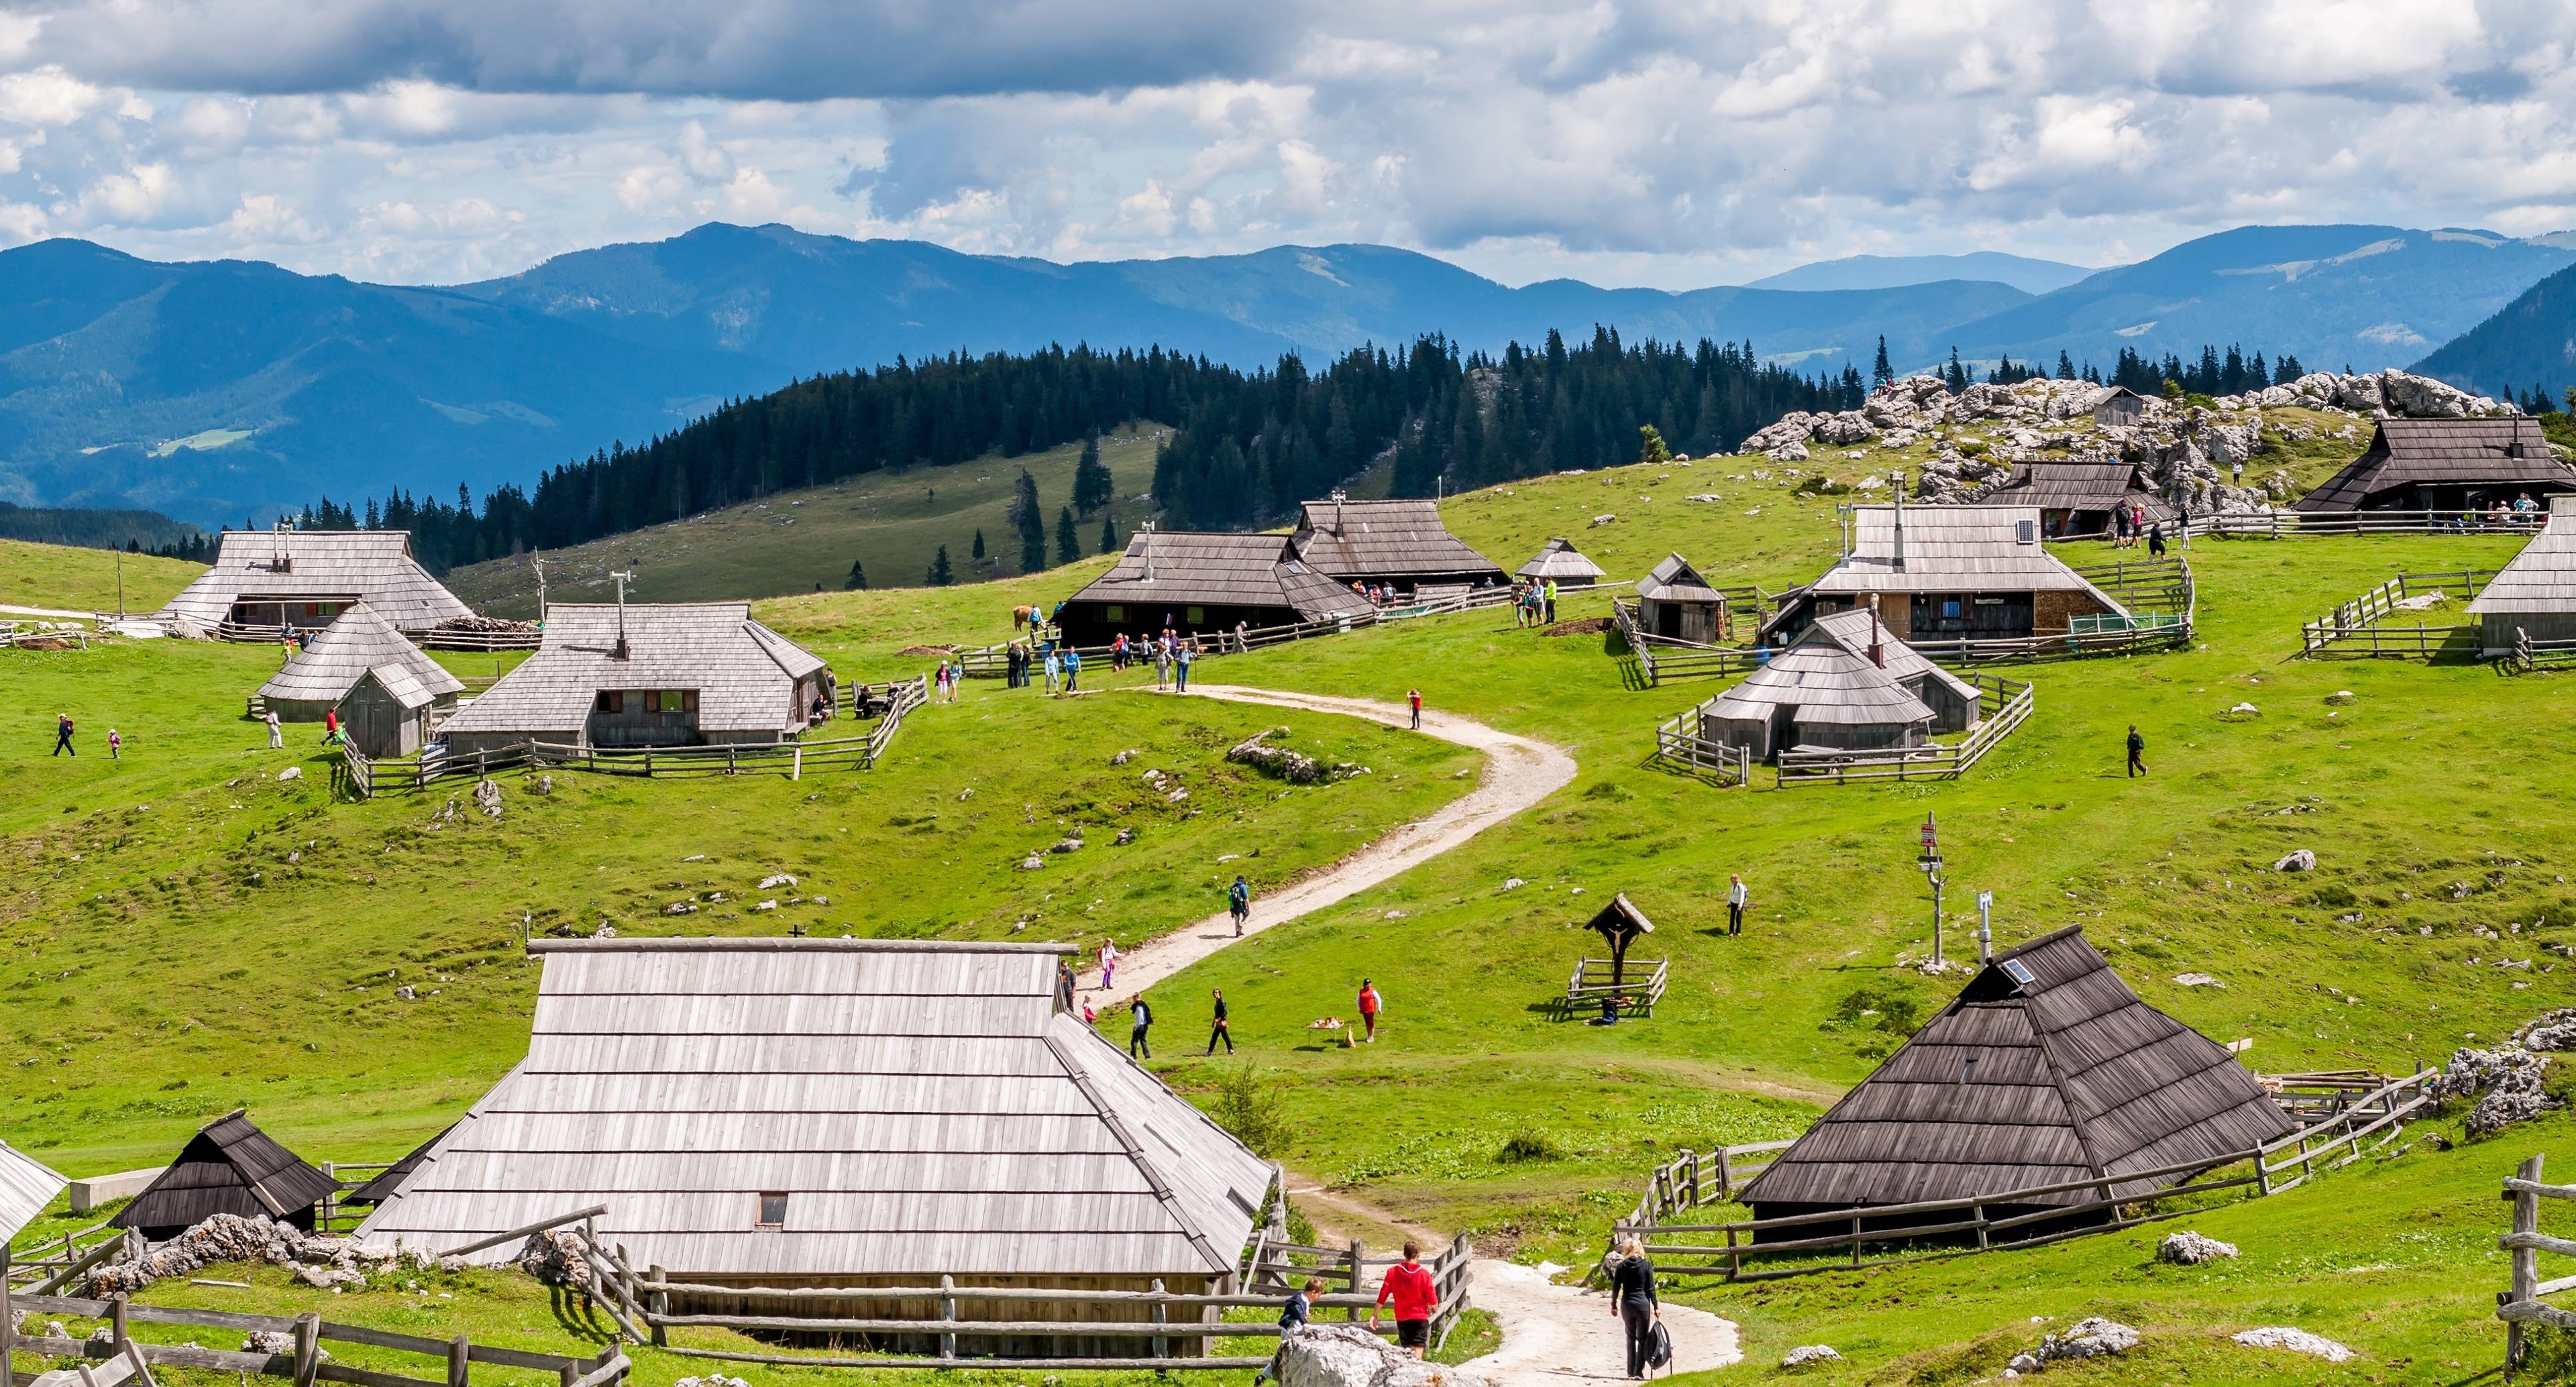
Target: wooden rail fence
(1843, 1239)
(2524, 1302)
(993, 661)
(2530, 656)
(2007, 705)
(1661, 657)
(2353, 628)
(1638, 988)
(2291, 524)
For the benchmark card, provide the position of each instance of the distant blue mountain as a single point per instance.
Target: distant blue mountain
(1896, 271)
(2530, 344)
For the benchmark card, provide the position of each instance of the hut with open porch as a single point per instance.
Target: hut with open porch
(229, 1167)
(384, 689)
(1675, 603)
(27, 1185)
(2045, 1069)
(2446, 465)
(846, 1113)
(2534, 596)
(1199, 582)
(1948, 573)
(1561, 563)
(2075, 500)
(263, 581)
(648, 675)
(1397, 544)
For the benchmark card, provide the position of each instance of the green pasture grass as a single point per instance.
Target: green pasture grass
(68, 578)
(806, 539)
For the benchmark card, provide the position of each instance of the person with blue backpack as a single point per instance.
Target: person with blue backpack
(1238, 901)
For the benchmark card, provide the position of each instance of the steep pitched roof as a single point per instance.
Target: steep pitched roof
(391, 1178)
(228, 1167)
(1169, 569)
(1620, 922)
(1560, 561)
(1372, 539)
(2045, 1068)
(343, 653)
(375, 566)
(925, 1106)
(1951, 549)
(1674, 580)
(2077, 486)
(1853, 631)
(745, 673)
(2542, 578)
(2502, 450)
(1827, 683)
(27, 1185)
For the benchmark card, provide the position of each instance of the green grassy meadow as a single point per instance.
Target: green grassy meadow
(185, 933)
(85, 580)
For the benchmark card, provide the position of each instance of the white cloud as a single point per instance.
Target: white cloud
(47, 96)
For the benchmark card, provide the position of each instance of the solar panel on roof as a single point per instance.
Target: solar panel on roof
(2020, 972)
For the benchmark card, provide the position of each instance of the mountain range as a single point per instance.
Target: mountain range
(225, 390)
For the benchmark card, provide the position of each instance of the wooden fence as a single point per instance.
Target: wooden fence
(1679, 744)
(2530, 656)
(1638, 988)
(2291, 524)
(993, 661)
(2006, 704)
(2524, 1302)
(2353, 628)
(16, 635)
(1661, 657)
(1843, 1239)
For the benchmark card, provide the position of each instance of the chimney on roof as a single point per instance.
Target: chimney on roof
(1339, 496)
(622, 652)
(1898, 562)
(1877, 651)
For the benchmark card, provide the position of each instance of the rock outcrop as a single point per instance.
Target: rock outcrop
(1346, 1355)
(2189, 1249)
(232, 1238)
(2506, 1080)
(1295, 767)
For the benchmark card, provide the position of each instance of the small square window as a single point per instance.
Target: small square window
(612, 701)
(674, 700)
(1197, 615)
(652, 700)
(773, 1211)
(1113, 612)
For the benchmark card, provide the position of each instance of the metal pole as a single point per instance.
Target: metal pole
(1985, 926)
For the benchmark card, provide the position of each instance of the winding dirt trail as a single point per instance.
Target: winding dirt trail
(1519, 772)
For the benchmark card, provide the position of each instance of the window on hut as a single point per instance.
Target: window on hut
(773, 1211)
(1114, 612)
(612, 701)
(1197, 615)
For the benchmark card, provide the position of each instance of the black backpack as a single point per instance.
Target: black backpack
(1659, 1346)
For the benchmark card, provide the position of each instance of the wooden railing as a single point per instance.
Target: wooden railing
(15, 634)
(900, 702)
(1660, 658)
(2287, 524)
(993, 661)
(2523, 1303)
(437, 639)
(1678, 744)
(1861, 1236)
(2530, 655)
(2352, 627)
(2006, 704)
(1638, 988)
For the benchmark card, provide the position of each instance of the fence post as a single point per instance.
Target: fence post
(116, 1320)
(1162, 1346)
(459, 1354)
(308, 1348)
(661, 1307)
(948, 1315)
(2526, 1264)
(1357, 1275)
(8, 1320)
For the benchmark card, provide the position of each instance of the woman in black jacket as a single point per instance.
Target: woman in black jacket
(1633, 1300)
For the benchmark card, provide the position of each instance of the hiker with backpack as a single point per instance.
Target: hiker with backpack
(1238, 902)
(1634, 1303)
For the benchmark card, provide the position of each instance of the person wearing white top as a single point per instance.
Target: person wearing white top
(1736, 896)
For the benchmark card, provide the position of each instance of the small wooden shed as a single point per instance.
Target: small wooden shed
(228, 1167)
(1955, 703)
(384, 689)
(648, 674)
(1816, 695)
(2535, 594)
(1675, 603)
(2045, 1069)
(2120, 405)
(27, 1185)
(1561, 563)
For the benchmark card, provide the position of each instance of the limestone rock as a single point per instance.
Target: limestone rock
(776, 879)
(554, 1256)
(2509, 1078)
(1032, 862)
(487, 797)
(2295, 1341)
(711, 1380)
(2552, 1031)
(2190, 1249)
(291, 773)
(1123, 757)
(1067, 845)
(2091, 1337)
(2196, 980)
(1604, 519)
(1295, 767)
(1126, 836)
(1805, 1354)
(2297, 860)
(1347, 1355)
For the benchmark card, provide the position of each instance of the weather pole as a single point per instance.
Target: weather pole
(1930, 862)
(1985, 927)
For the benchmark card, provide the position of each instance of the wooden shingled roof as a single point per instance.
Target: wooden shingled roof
(391, 1178)
(374, 566)
(2077, 486)
(925, 1106)
(1166, 570)
(1674, 580)
(2542, 578)
(1854, 630)
(2502, 450)
(1827, 683)
(1951, 549)
(2045, 1068)
(1562, 562)
(1372, 539)
(229, 1167)
(344, 652)
(27, 1185)
(745, 674)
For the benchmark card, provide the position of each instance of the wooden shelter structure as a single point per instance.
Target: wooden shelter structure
(27, 1185)
(844, 1113)
(1558, 561)
(1814, 696)
(1947, 573)
(2534, 596)
(1400, 544)
(1205, 582)
(1620, 925)
(2076, 499)
(2045, 1069)
(648, 675)
(1955, 703)
(229, 1167)
(381, 684)
(1675, 603)
(2446, 465)
(2119, 405)
(264, 580)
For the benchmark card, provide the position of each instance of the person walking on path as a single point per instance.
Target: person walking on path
(1736, 899)
(1054, 669)
(115, 745)
(1238, 902)
(1108, 963)
(1141, 1019)
(1413, 697)
(1369, 1004)
(330, 724)
(1181, 667)
(1072, 667)
(1295, 1314)
(1634, 1303)
(276, 734)
(1408, 1283)
(1216, 1025)
(2137, 753)
(63, 736)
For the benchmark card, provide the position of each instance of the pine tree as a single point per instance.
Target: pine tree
(2065, 366)
(1956, 377)
(1031, 520)
(1092, 483)
(858, 580)
(1068, 546)
(940, 574)
(1880, 373)
(979, 542)
(1650, 446)
(1108, 531)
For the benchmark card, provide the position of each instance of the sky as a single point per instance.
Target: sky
(1626, 142)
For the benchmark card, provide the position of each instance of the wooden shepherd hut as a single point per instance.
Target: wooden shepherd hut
(2446, 465)
(27, 1185)
(1813, 696)
(2119, 405)
(1399, 544)
(1944, 573)
(1204, 582)
(647, 675)
(1955, 703)
(844, 1113)
(228, 1167)
(2535, 594)
(2075, 499)
(383, 687)
(2045, 1069)
(1674, 602)
(1561, 563)
(265, 580)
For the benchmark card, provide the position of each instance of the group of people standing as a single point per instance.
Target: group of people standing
(1534, 602)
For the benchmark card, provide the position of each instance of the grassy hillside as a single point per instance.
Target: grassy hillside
(805, 541)
(85, 580)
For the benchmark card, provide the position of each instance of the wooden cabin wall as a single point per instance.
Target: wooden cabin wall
(968, 1344)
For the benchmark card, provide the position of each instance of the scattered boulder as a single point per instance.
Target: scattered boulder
(1348, 1355)
(2295, 1341)
(1067, 845)
(232, 1238)
(1605, 519)
(542, 785)
(776, 879)
(2188, 1249)
(2021, 1363)
(711, 1380)
(269, 1341)
(1295, 767)
(2508, 1077)
(2554, 1030)
(1123, 757)
(1032, 862)
(681, 908)
(406, 993)
(487, 797)
(2090, 1337)
(1805, 1354)
(2342, 696)
(329, 1278)
(554, 1257)
(770, 904)
(1126, 836)
(2297, 860)
(2197, 980)
(291, 773)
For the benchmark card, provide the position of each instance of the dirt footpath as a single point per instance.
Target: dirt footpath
(1558, 1334)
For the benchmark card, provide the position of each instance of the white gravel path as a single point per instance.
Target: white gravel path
(1561, 1334)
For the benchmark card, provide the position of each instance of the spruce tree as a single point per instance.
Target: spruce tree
(1092, 483)
(1650, 446)
(979, 542)
(1957, 376)
(1108, 532)
(1031, 520)
(940, 574)
(1068, 546)
(858, 579)
(2065, 366)
(1880, 373)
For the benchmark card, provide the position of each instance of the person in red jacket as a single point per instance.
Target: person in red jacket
(1369, 1003)
(1408, 1283)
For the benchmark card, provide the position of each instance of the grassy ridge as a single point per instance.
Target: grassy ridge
(85, 580)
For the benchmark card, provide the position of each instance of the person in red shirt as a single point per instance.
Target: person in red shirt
(1414, 697)
(1408, 1283)
(1368, 1008)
